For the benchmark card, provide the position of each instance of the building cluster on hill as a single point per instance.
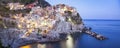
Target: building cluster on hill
(42, 23)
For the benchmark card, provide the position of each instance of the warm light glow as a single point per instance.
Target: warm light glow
(40, 25)
(19, 26)
(41, 46)
(37, 21)
(14, 17)
(27, 46)
(69, 19)
(69, 42)
(33, 23)
(0, 16)
(4, 25)
(11, 7)
(27, 33)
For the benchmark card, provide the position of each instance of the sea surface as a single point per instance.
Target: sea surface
(107, 28)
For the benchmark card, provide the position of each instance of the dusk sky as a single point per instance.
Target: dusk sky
(93, 9)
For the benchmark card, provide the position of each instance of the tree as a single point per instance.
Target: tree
(27, 1)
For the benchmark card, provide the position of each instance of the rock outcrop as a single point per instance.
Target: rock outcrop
(42, 23)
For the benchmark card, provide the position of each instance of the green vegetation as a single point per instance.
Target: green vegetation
(4, 11)
(27, 1)
(1, 44)
(21, 1)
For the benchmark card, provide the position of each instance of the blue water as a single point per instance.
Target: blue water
(107, 28)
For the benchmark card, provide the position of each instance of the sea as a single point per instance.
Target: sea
(108, 28)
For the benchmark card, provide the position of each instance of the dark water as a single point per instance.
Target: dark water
(107, 28)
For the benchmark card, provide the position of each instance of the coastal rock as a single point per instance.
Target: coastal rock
(43, 23)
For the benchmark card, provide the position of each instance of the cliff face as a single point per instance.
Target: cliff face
(41, 24)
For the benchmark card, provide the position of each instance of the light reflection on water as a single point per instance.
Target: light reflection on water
(70, 43)
(41, 46)
(109, 29)
(27, 46)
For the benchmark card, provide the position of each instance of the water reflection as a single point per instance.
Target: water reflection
(70, 43)
(40, 46)
(27, 46)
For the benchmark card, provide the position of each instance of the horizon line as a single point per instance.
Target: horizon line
(101, 19)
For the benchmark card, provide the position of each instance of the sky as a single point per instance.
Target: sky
(93, 9)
